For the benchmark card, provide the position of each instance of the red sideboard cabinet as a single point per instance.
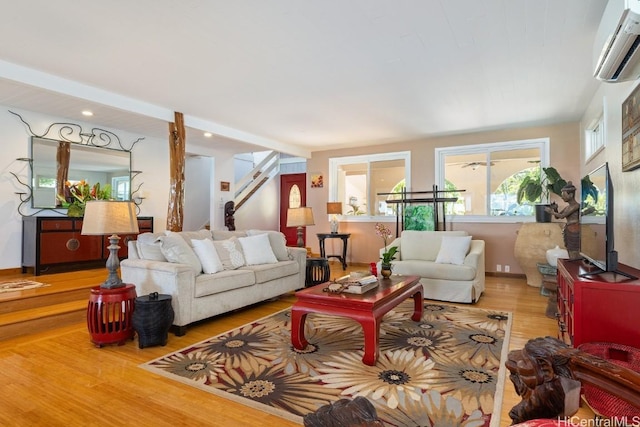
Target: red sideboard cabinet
(599, 308)
(55, 243)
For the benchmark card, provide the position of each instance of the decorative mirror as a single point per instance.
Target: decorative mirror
(75, 162)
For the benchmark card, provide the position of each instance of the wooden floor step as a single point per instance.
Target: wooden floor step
(42, 297)
(24, 322)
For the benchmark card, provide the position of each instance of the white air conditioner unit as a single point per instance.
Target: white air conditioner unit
(617, 45)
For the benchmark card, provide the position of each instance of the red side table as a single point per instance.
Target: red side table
(109, 314)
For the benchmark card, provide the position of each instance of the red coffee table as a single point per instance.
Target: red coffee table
(367, 309)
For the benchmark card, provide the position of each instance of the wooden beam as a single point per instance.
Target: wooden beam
(177, 141)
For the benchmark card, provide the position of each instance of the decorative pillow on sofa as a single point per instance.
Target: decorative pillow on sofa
(149, 247)
(278, 243)
(176, 249)
(230, 253)
(207, 255)
(453, 249)
(257, 250)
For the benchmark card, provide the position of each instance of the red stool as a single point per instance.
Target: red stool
(602, 403)
(109, 314)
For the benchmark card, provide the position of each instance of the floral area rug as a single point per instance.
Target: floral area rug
(447, 369)
(20, 285)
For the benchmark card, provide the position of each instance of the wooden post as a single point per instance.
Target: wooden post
(177, 136)
(63, 154)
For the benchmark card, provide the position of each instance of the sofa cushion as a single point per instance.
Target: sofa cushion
(267, 272)
(176, 249)
(278, 243)
(226, 280)
(149, 247)
(208, 256)
(189, 235)
(230, 253)
(453, 249)
(424, 245)
(226, 234)
(257, 250)
(433, 270)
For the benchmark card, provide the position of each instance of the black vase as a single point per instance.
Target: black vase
(541, 214)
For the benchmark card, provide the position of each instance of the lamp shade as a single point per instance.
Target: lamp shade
(103, 217)
(334, 208)
(299, 217)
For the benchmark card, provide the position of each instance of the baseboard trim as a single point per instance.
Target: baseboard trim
(502, 274)
(11, 271)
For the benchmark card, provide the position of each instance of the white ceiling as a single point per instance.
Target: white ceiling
(302, 75)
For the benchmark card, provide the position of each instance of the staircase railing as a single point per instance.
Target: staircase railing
(256, 178)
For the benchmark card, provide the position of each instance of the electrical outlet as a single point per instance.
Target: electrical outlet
(498, 267)
(507, 269)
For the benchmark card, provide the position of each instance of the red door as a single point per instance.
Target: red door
(293, 193)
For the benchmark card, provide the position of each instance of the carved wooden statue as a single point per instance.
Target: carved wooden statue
(571, 213)
(358, 412)
(541, 371)
(229, 211)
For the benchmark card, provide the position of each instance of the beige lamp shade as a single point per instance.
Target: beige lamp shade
(299, 217)
(334, 208)
(103, 217)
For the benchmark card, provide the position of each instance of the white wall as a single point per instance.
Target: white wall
(609, 98)
(198, 177)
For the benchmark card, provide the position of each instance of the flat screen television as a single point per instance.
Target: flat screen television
(597, 213)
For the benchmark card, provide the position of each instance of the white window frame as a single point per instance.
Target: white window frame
(440, 153)
(595, 137)
(335, 162)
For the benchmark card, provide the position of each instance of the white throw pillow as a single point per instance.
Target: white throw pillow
(453, 250)
(257, 250)
(278, 243)
(175, 249)
(207, 255)
(230, 253)
(149, 247)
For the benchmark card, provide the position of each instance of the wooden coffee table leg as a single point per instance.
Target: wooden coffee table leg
(298, 318)
(371, 329)
(418, 306)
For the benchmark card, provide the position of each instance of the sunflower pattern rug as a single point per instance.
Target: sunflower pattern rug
(446, 369)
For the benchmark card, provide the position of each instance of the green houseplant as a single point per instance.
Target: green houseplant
(537, 187)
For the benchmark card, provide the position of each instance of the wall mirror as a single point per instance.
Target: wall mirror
(85, 162)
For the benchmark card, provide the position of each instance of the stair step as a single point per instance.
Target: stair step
(39, 319)
(43, 297)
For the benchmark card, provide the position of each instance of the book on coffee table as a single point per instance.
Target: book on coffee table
(360, 285)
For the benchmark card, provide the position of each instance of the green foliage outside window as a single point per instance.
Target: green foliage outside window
(418, 217)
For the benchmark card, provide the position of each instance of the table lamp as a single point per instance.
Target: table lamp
(299, 217)
(334, 209)
(104, 217)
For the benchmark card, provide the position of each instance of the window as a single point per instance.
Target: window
(490, 175)
(594, 137)
(357, 180)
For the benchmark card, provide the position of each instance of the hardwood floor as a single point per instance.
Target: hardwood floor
(58, 378)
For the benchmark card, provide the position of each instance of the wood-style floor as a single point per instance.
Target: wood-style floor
(59, 378)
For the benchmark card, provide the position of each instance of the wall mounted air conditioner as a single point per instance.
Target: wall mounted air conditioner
(617, 45)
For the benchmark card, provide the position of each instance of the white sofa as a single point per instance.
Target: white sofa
(155, 265)
(418, 252)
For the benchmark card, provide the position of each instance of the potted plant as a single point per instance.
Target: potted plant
(537, 188)
(389, 254)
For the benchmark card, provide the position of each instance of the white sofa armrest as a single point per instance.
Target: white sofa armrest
(177, 280)
(300, 256)
(475, 257)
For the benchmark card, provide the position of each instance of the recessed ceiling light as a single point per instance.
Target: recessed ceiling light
(87, 113)
(208, 134)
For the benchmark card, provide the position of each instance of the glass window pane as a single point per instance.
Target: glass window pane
(467, 172)
(386, 177)
(508, 168)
